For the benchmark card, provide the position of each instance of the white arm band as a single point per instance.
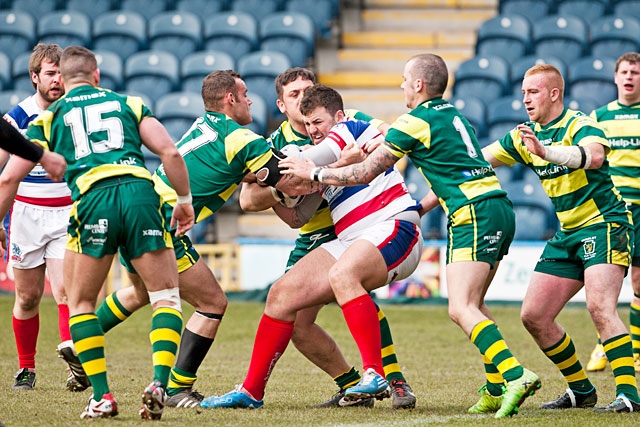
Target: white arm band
(184, 200)
(574, 157)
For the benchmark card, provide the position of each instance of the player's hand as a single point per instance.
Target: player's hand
(3, 241)
(350, 154)
(531, 141)
(374, 143)
(300, 168)
(54, 164)
(183, 217)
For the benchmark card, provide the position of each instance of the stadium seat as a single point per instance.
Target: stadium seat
(5, 72)
(290, 33)
(503, 114)
(37, 8)
(146, 8)
(434, 222)
(256, 8)
(588, 10)
(520, 66)
(123, 32)
(486, 77)
(17, 32)
(152, 72)
(10, 98)
(533, 9)
(146, 99)
(582, 103)
(611, 36)
(626, 8)
(204, 8)
(259, 114)
(92, 9)
(110, 66)
(508, 36)
(65, 28)
(474, 110)
(178, 110)
(592, 77)
(561, 35)
(20, 75)
(235, 33)
(535, 215)
(197, 65)
(259, 70)
(320, 11)
(177, 32)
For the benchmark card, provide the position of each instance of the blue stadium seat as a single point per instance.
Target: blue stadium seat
(5, 72)
(520, 66)
(475, 110)
(259, 70)
(177, 32)
(233, 32)
(434, 222)
(611, 36)
(178, 110)
(290, 33)
(17, 32)
(36, 8)
(256, 8)
(320, 11)
(92, 9)
(65, 28)
(205, 8)
(259, 114)
(20, 75)
(503, 114)
(197, 65)
(533, 9)
(508, 36)
(627, 8)
(152, 72)
(123, 32)
(582, 103)
(486, 77)
(592, 77)
(586, 9)
(10, 98)
(110, 66)
(561, 35)
(146, 8)
(535, 215)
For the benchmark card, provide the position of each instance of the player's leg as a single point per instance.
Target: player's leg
(29, 287)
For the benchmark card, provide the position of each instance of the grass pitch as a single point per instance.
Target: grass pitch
(439, 362)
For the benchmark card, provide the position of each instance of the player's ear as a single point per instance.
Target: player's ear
(339, 116)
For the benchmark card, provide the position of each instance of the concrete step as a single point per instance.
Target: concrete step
(393, 60)
(425, 19)
(491, 4)
(408, 39)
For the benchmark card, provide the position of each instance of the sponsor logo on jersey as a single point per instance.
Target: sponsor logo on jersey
(151, 232)
(100, 228)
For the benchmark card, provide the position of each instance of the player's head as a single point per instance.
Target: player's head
(322, 108)
(627, 78)
(224, 91)
(78, 66)
(425, 76)
(543, 90)
(44, 69)
(290, 86)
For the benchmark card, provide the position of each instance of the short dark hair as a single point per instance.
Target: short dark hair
(216, 85)
(320, 95)
(50, 52)
(630, 57)
(432, 70)
(77, 62)
(291, 75)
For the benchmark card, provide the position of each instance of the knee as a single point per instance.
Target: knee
(530, 320)
(28, 300)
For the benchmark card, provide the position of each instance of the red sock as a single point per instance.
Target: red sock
(26, 333)
(361, 316)
(271, 341)
(63, 322)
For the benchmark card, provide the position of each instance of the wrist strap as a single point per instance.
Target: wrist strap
(184, 200)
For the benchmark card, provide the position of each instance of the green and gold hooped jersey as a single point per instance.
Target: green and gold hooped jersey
(96, 131)
(581, 197)
(621, 124)
(437, 138)
(218, 153)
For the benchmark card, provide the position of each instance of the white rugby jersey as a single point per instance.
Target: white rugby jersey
(36, 188)
(355, 208)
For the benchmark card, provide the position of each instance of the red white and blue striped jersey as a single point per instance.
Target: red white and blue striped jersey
(36, 188)
(356, 208)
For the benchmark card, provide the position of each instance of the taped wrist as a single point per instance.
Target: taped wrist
(574, 157)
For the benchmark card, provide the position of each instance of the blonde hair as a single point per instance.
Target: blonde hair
(553, 76)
